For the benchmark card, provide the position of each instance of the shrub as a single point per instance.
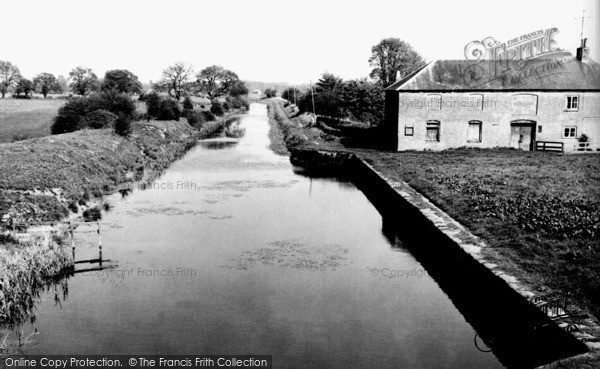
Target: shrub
(69, 116)
(295, 138)
(169, 110)
(123, 125)
(117, 103)
(79, 113)
(237, 102)
(99, 119)
(217, 108)
(270, 92)
(208, 116)
(188, 104)
(153, 102)
(195, 118)
(73, 206)
(92, 214)
(161, 108)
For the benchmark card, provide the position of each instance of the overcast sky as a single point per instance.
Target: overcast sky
(277, 41)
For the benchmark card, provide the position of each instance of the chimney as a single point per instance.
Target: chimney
(583, 52)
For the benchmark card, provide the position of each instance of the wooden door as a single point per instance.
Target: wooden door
(525, 142)
(520, 137)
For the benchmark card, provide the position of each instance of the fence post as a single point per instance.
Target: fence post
(99, 246)
(72, 240)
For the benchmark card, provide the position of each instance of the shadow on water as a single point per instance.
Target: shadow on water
(217, 145)
(517, 333)
(341, 179)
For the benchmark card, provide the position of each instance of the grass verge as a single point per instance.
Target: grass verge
(21, 119)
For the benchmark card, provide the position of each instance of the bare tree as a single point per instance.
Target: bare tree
(9, 76)
(175, 80)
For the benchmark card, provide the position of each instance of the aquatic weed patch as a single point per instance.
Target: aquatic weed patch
(294, 255)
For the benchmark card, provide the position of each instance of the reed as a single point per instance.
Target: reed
(25, 269)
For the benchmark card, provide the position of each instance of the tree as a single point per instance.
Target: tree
(175, 80)
(291, 94)
(393, 58)
(217, 81)
(46, 83)
(121, 80)
(327, 96)
(83, 81)
(238, 88)
(24, 86)
(9, 76)
(328, 82)
(363, 100)
(62, 85)
(270, 92)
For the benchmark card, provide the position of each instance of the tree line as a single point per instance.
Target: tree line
(108, 102)
(177, 81)
(359, 99)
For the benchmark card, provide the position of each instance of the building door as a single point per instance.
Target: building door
(521, 136)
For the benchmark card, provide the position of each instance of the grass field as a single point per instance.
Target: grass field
(22, 119)
(540, 211)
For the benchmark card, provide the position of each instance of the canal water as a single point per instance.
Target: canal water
(232, 252)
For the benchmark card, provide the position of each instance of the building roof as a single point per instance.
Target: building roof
(558, 71)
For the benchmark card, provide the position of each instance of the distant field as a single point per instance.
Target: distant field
(22, 119)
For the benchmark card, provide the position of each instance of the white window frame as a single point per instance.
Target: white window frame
(480, 138)
(572, 129)
(431, 124)
(572, 103)
(409, 130)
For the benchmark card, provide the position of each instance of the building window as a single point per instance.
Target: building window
(474, 134)
(539, 129)
(572, 102)
(433, 131)
(570, 132)
(409, 130)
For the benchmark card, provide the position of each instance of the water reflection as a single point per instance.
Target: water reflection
(18, 324)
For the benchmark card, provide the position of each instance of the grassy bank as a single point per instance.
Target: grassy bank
(22, 119)
(277, 121)
(43, 177)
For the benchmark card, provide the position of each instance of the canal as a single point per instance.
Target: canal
(231, 251)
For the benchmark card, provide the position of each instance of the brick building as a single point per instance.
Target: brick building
(550, 101)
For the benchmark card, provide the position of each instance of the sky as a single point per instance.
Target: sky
(269, 41)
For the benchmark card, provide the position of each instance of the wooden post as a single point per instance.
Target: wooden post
(72, 240)
(99, 246)
(312, 93)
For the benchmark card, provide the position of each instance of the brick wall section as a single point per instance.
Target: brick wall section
(496, 111)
